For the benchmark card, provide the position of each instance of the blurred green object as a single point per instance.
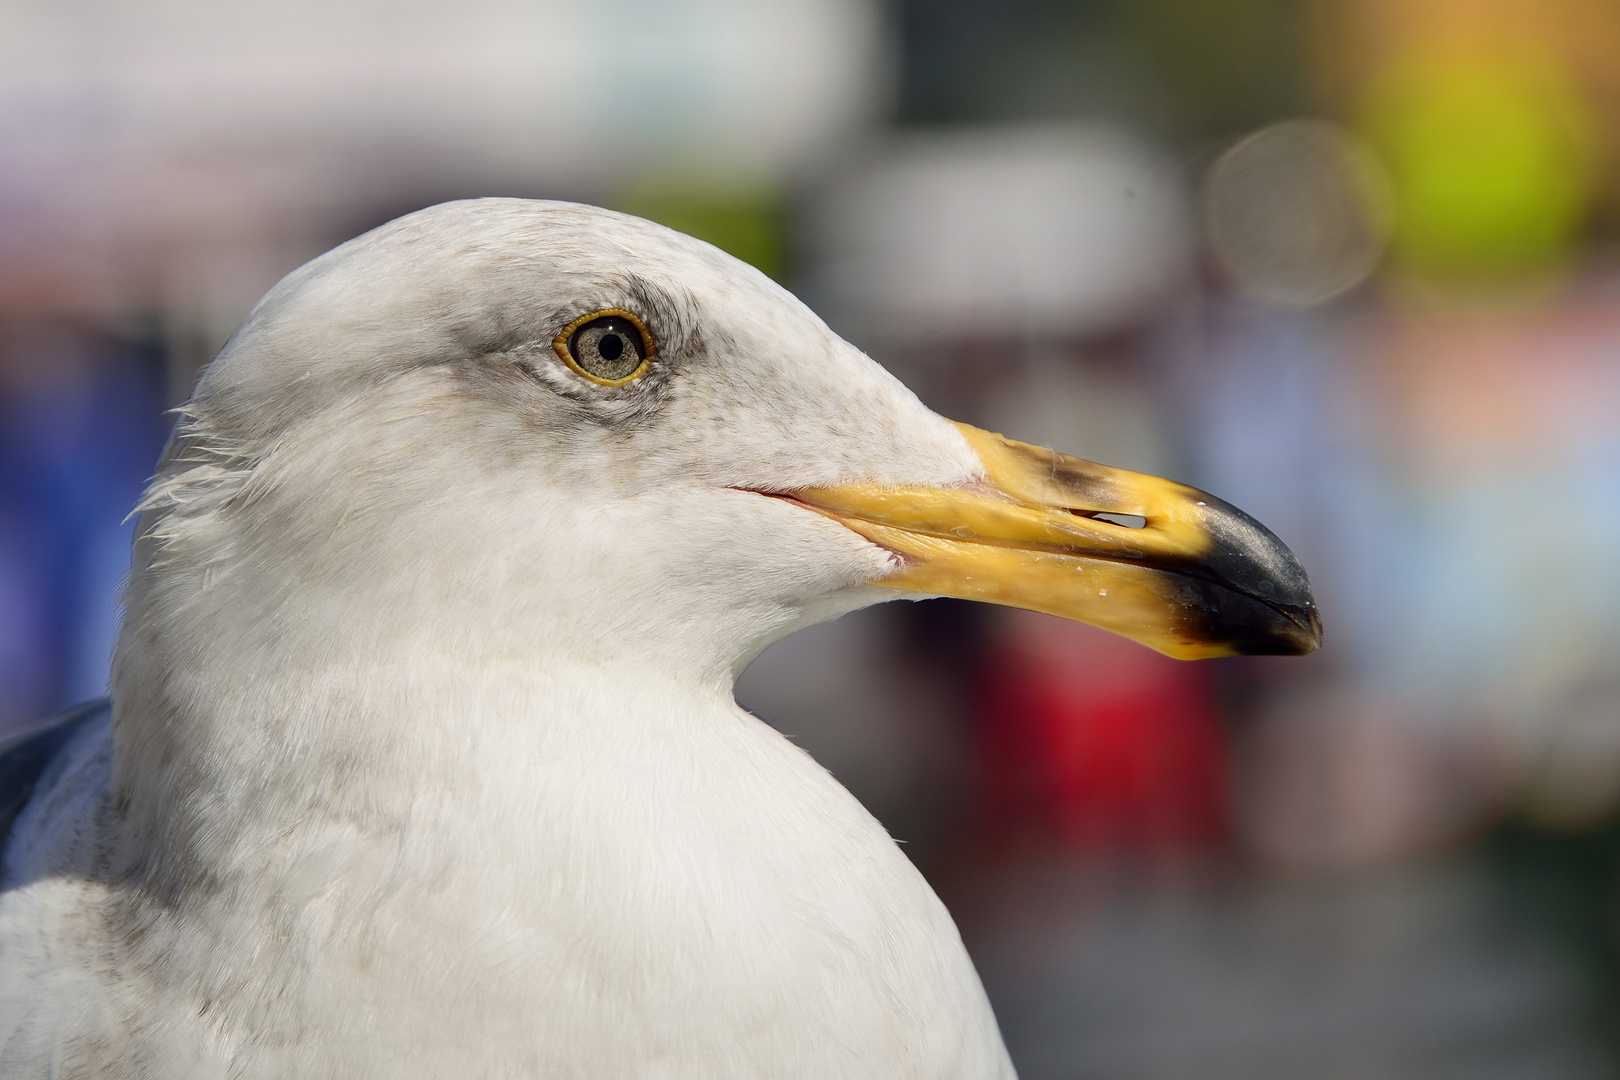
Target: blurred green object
(749, 222)
(1491, 161)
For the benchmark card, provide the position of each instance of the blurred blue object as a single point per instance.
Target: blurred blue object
(1464, 565)
(1451, 476)
(80, 426)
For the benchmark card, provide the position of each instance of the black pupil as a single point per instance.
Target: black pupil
(608, 348)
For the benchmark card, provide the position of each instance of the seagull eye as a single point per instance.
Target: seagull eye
(608, 347)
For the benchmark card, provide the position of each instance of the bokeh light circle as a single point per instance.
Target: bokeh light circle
(1297, 213)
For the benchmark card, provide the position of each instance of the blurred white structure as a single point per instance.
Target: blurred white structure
(159, 154)
(1042, 231)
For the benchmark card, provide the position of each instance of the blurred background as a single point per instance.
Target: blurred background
(1349, 264)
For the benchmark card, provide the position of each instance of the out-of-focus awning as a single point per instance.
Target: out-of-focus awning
(1042, 230)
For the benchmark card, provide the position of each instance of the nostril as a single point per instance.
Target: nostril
(1129, 521)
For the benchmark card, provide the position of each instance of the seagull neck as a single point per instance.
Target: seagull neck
(405, 833)
(247, 782)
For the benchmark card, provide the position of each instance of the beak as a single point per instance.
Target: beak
(1159, 562)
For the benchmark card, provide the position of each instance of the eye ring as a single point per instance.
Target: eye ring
(607, 366)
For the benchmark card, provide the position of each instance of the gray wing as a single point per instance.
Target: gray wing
(24, 759)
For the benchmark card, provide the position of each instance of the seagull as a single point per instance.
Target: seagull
(421, 757)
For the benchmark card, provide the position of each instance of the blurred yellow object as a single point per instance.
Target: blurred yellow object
(1490, 158)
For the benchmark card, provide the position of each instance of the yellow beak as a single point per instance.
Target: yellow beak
(1159, 562)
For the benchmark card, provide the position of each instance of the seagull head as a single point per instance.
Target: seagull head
(536, 433)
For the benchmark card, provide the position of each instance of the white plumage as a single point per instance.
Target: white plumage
(423, 755)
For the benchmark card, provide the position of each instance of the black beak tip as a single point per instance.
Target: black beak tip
(1251, 626)
(1297, 632)
(1262, 603)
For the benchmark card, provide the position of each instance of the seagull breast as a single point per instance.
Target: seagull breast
(423, 756)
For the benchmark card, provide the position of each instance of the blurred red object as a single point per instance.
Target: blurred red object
(1092, 743)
